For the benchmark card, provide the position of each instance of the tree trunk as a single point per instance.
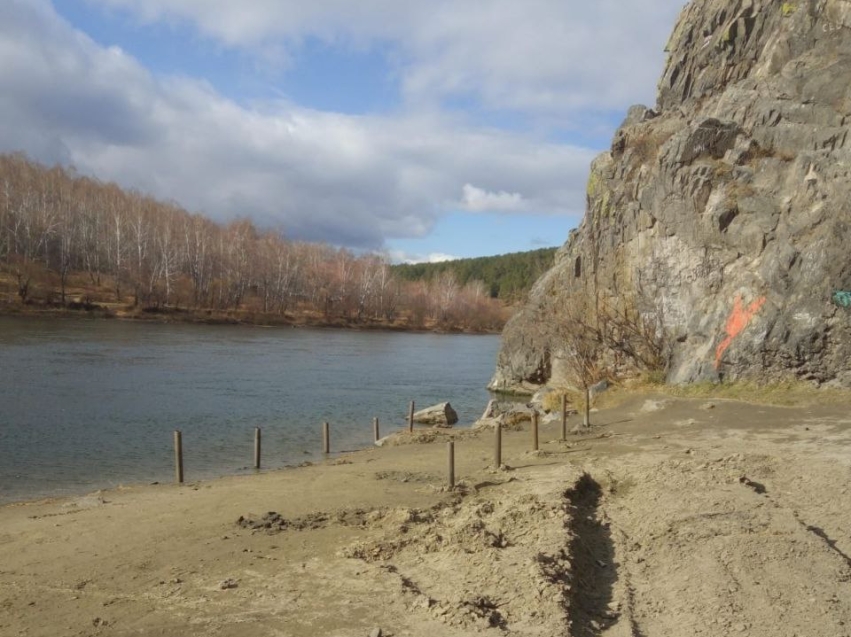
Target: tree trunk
(586, 419)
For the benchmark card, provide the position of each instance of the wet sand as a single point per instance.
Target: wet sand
(669, 517)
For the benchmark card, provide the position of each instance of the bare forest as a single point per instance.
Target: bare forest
(71, 242)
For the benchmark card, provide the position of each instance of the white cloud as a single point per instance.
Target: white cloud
(347, 180)
(400, 256)
(546, 57)
(439, 257)
(479, 200)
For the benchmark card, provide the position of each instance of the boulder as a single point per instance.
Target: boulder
(487, 423)
(598, 388)
(517, 415)
(441, 415)
(497, 408)
(540, 397)
(490, 410)
(513, 419)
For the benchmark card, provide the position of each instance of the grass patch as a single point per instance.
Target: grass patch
(552, 400)
(786, 394)
(783, 394)
(576, 399)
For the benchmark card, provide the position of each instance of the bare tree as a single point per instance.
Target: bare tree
(444, 295)
(55, 222)
(198, 234)
(117, 205)
(575, 343)
(66, 237)
(633, 328)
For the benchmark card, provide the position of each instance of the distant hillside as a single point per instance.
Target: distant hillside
(506, 276)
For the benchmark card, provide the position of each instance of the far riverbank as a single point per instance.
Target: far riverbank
(231, 317)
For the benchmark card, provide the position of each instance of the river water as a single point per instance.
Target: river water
(86, 405)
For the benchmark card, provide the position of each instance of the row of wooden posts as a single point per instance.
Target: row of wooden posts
(326, 442)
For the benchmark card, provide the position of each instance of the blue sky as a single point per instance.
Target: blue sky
(423, 130)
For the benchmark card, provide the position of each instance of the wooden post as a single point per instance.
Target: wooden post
(178, 457)
(564, 417)
(497, 450)
(326, 438)
(450, 447)
(534, 430)
(257, 447)
(375, 429)
(411, 418)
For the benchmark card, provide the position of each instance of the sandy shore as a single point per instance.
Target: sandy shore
(671, 517)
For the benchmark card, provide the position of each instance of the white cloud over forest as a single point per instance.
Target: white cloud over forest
(353, 180)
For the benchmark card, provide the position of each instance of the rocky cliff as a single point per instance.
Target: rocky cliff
(724, 210)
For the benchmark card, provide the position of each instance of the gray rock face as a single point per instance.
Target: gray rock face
(726, 210)
(442, 415)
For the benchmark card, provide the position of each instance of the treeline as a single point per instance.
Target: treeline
(507, 276)
(59, 230)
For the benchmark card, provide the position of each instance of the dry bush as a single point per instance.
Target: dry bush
(574, 339)
(575, 398)
(646, 146)
(633, 328)
(607, 339)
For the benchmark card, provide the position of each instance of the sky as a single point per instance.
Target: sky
(422, 130)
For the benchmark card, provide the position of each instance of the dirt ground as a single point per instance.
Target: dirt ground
(670, 517)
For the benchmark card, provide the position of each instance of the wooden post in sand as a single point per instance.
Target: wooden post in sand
(564, 417)
(411, 418)
(178, 457)
(326, 438)
(257, 447)
(534, 430)
(375, 429)
(450, 448)
(497, 449)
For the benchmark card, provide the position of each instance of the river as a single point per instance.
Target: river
(91, 404)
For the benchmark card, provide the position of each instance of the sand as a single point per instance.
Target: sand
(670, 517)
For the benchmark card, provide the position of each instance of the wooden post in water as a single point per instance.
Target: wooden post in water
(178, 457)
(534, 430)
(450, 447)
(411, 418)
(564, 417)
(326, 438)
(375, 429)
(257, 447)
(497, 449)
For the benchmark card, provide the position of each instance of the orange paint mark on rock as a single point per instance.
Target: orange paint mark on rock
(739, 319)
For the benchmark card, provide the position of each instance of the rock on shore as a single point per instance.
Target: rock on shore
(441, 415)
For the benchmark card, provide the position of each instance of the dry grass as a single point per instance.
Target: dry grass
(646, 146)
(787, 394)
(783, 394)
(552, 401)
(576, 399)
